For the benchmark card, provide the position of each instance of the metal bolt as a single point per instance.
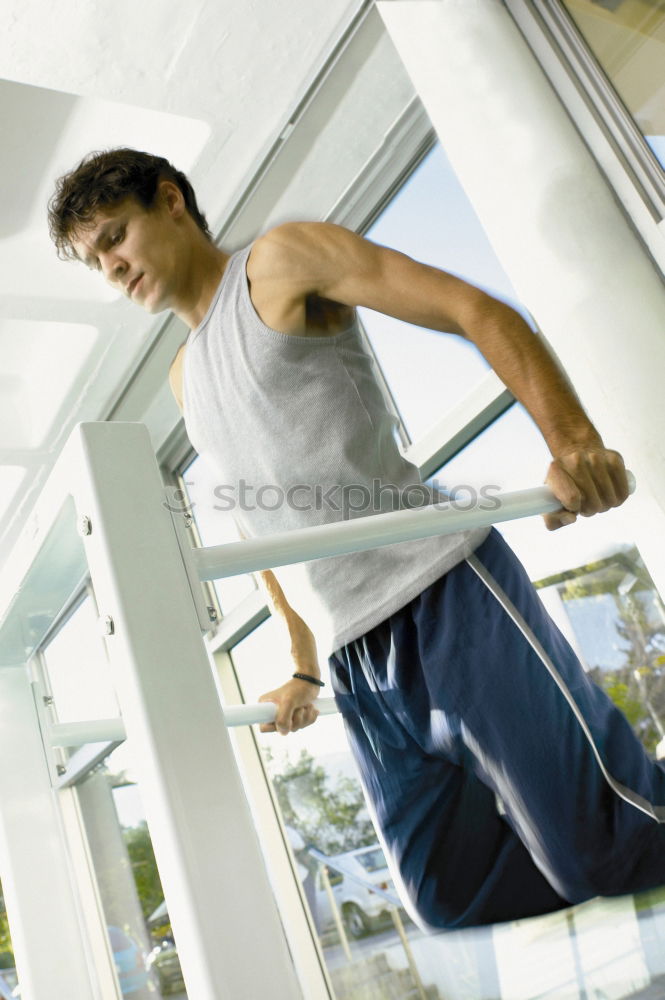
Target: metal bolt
(106, 626)
(84, 525)
(48, 700)
(61, 769)
(212, 614)
(189, 520)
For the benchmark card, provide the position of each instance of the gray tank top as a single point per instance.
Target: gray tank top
(297, 433)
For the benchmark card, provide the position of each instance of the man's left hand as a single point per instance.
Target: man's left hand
(587, 481)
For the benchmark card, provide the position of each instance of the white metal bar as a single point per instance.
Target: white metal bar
(370, 532)
(76, 734)
(247, 715)
(202, 830)
(309, 543)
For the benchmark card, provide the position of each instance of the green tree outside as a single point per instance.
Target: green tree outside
(330, 817)
(144, 867)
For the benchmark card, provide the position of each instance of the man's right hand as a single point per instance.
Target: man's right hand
(295, 708)
(587, 480)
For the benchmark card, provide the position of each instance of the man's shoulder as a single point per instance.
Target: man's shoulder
(290, 237)
(295, 251)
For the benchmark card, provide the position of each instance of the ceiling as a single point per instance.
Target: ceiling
(210, 86)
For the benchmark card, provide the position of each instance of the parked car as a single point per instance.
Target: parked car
(131, 963)
(164, 961)
(7, 984)
(8, 978)
(361, 909)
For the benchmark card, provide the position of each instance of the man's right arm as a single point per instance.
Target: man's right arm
(293, 699)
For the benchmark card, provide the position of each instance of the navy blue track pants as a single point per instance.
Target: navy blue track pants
(502, 781)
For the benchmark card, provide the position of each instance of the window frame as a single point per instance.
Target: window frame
(566, 57)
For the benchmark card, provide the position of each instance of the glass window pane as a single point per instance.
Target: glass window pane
(215, 526)
(137, 922)
(339, 861)
(606, 947)
(432, 220)
(487, 462)
(618, 621)
(78, 669)
(628, 40)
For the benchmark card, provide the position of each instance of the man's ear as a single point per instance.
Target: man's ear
(171, 198)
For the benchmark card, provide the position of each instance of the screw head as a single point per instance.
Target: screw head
(61, 769)
(106, 626)
(84, 526)
(48, 700)
(212, 614)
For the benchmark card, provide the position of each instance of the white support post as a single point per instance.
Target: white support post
(49, 941)
(230, 940)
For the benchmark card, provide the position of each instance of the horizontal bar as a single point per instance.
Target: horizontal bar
(78, 734)
(75, 734)
(315, 543)
(265, 711)
(360, 533)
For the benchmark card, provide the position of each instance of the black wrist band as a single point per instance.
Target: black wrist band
(312, 680)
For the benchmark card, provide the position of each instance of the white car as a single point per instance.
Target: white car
(361, 909)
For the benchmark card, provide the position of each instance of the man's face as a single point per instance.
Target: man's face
(138, 251)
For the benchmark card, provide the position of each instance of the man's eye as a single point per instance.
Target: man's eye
(117, 236)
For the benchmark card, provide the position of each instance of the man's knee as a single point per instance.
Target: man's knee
(431, 911)
(606, 871)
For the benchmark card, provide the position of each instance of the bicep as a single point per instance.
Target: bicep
(338, 264)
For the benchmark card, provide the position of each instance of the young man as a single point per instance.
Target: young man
(457, 690)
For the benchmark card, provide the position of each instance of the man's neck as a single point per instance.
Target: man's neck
(205, 273)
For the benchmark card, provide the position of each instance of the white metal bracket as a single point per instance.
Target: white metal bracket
(181, 520)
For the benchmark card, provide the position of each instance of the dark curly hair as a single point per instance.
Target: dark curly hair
(105, 177)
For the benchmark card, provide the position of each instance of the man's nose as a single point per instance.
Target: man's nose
(113, 267)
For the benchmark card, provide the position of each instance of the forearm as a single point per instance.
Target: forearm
(294, 699)
(529, 369)
(302, 641)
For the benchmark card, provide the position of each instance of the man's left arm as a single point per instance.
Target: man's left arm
(337, 264)
(584, 475)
